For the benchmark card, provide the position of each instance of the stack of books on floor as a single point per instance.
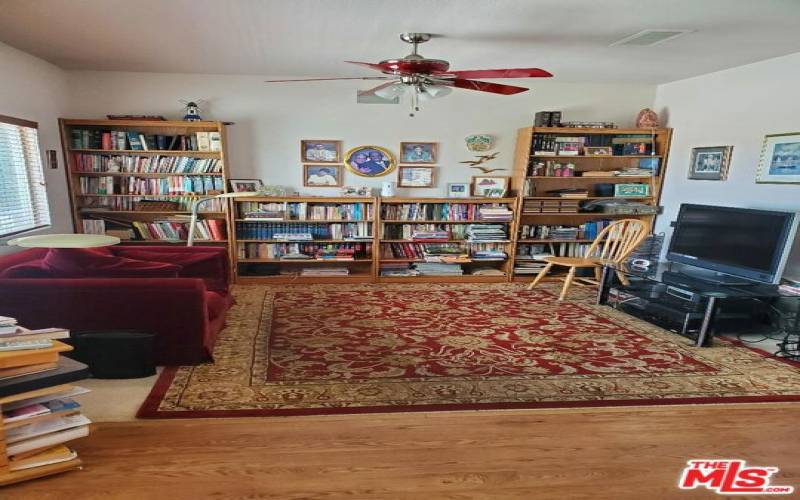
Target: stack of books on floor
(450, 254)
(38, 412)
(324, 271)
(496, 213)
(397, 269)
(489, 255)
(486, 233)
(437, 269)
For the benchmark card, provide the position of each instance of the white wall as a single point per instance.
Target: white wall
(35, 90)
(733, 107)
(271, 119)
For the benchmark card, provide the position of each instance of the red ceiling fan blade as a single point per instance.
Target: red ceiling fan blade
(327, 79)
(495, 88)
(376, 67)
(500, 73)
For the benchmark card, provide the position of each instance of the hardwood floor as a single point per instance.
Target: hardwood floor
(600, 453)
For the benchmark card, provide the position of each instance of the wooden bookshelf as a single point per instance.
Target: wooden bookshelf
(120, 207)
(390, 221)
(254, 263)
(536, 187)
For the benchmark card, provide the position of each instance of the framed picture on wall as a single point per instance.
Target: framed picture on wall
(490, 186)
(458, 190)
(320, 151)
(369, 161)
(780, 159)
(419, 177)
(418, 152)
(322, 175)
(710, 163)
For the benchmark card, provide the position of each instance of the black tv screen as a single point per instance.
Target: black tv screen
(737, 241)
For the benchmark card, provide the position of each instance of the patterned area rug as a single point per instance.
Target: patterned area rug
(377, 348)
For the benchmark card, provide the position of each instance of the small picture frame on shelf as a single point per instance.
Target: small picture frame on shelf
(418, 152)
(415, 177)
(320, 151)
(780, 159)
(487, 186)
(246, 185)
(458, 190)
(710, 163)
(322, 175)
(634, 190)
(598, 151)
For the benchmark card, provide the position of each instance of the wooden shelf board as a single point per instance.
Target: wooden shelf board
(120, 124)
(396, 221)
(555, 241)
(599, 131)
(328, 221)
(466, 278)
(300, 280)
(588, 198)
(304, 199)
(582, 214)
(177, 212)
(605, 157)
(309, 242)
(306, 261)
(189, 195)
(151, 152)
(438, 242)
(595, 179)
(395, 200)
(147, 174)
(169, 242)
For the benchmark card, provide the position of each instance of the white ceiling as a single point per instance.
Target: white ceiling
(311, 38)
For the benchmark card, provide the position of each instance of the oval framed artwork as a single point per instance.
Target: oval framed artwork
(370, 161)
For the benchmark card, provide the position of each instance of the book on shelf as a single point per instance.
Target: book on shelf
(173, 185)
(13, 359)
(47, 440)
(40, 428)
(295, 230)
(324, 271)
(22, 333)
(55, 455)
(21, 345)
(34, 410)
(438, 269)
(486, 232)
(397, 270)
(120, 140)
(443, 211)
(177, 229)
(30, 369)
(154, 164)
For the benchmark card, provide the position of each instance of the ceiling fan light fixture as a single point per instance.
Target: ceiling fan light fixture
(392, 91)
(430, 92)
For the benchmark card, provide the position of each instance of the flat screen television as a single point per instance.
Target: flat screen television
(733, 243)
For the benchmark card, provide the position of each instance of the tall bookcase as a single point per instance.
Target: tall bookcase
(148, 187)
(453, 216)
(342, 232)
(539, 206)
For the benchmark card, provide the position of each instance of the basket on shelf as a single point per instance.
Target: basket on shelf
(155, 206)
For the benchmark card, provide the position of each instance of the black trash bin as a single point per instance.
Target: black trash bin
(115, 354)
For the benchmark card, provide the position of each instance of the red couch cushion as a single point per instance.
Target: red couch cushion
(215, 305)
(90, 263)
(197, 264)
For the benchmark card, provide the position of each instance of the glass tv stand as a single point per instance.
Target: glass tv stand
(697, 309)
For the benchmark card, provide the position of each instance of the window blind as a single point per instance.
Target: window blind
(23, 198)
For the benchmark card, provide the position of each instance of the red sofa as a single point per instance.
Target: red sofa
(185, 307)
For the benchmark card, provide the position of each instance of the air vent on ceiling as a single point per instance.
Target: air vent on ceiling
(648, 38)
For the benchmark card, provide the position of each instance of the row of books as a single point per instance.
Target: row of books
(482, 251)
(620, 145)
(178, 230)
(588, 230)
(333, 231)
(444, 211)
(128, 203)
(438, 231)
(305, 250)
(486, 233)
(305, 211)
(146, 164)
(120, 140)
(324, 272)
(107, 185)
(562, 249)
(37, 423)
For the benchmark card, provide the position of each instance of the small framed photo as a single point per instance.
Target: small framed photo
(711, 163)
(598, 151)
(490, 186)
(320, 151)
(246, 185)
(322, 175)
(458, 190)
(780, 159)
(419, 177)
(418, 152)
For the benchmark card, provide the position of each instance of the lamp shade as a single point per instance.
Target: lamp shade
(392, 91)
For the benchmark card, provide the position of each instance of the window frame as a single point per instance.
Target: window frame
(21, 122)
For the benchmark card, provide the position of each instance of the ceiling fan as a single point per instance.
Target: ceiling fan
(424, 79)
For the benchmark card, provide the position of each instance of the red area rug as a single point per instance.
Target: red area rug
(377, 348)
